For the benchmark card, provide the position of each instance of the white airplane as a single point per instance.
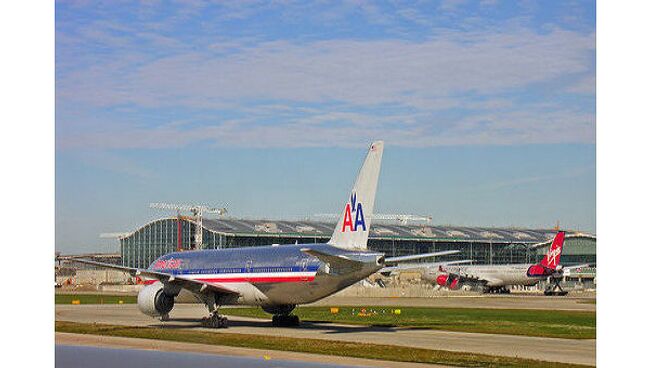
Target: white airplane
(496, 278)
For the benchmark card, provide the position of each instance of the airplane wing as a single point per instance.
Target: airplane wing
(570, 268)
(192, 285)
(420, 256)
(475, 279)
(337, 264)
(410, 266)
(489, 281)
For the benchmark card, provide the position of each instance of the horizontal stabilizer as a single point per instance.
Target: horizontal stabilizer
(570, 268)
(420, 256)
(432, 265)
(336, 264)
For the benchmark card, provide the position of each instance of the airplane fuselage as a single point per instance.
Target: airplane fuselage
(493, 275)
(269, 275)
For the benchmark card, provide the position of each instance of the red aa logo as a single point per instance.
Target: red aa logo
(353, 210)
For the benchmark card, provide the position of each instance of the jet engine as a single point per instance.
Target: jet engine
(278, 309)
(449, 281)
(154, 302)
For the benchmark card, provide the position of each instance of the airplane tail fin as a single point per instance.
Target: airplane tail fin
(552, 257)
(353, 227)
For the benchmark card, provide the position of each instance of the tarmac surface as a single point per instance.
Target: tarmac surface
(194, 355)
(188, 316)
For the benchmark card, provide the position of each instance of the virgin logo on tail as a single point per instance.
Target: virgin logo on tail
(552, 258)
(353, 209)
(550, 261)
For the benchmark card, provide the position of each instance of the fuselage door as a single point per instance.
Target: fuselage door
(303, 268)
(249, 269)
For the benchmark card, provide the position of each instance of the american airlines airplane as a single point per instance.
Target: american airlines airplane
(496, 278)
(275, 277)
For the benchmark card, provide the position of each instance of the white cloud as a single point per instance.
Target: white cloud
(338, 92)
(451, 5)
(322, 128)
(586, 85)
(355, 72)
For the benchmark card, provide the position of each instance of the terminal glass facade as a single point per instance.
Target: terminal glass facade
(160, 237)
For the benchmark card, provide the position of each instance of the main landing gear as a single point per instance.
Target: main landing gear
(282, 316)
(215, 321)
(496, 290)
(555, 289)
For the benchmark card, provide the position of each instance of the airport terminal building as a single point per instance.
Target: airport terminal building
(483, 245)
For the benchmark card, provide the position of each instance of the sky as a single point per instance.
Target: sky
(487, 109)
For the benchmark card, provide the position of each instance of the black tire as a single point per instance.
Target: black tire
(294, 320)
(223, 322)
(282, 320)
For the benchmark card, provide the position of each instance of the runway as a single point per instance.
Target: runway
(187, 315)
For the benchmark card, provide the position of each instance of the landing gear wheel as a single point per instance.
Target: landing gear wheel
(555, 289)
(215, 321)
(223, 322)
(552, 292)
(284, 320)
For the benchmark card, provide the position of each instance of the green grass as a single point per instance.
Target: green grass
(526, 322)
(316, 346)
(94, 299)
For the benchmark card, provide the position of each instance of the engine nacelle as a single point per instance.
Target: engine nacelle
(449, 281)
(454, 284)
(442, 280)
(154, 302)
(278, 309)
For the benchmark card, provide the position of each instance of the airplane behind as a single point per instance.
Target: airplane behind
(496, 278)
(275, 277)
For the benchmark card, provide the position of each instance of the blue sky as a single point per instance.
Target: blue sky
(487, 109)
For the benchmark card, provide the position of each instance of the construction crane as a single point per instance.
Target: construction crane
(113, 235)
(401, 218)
(197, 212)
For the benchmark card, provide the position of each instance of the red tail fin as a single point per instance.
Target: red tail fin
(552, 258)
